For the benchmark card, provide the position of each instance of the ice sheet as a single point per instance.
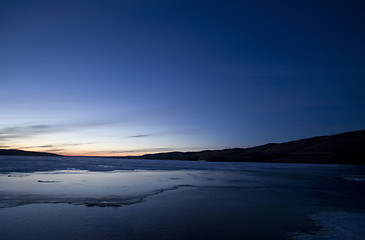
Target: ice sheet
(336, 226)
(113, 188)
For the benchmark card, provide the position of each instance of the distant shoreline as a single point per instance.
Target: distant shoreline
(16, 152)
(344, 148)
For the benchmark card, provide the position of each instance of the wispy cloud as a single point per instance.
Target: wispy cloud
(143, 150)
(129, 151)
(41, 146)
(167, 133)
(141, 136)
(30, 130)
(56, 150)
(24, 131)
(75, 144)
(46, 146)
(58, 145)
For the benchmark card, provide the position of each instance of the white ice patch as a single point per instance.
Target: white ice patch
(336, 226)
(358, 178)
(105, 166)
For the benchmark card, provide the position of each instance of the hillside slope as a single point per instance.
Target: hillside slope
(340, 148)
(14, 152)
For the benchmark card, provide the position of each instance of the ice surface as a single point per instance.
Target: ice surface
(358, 178)
(33, 164)
(111, 181)
(47, 198)
(336, 226)
(105, 188)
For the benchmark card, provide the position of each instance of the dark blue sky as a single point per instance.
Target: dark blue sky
(131, 77)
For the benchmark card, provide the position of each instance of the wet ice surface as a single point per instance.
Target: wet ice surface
(101, 198)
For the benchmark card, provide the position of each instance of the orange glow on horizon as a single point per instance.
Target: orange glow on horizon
(97, 152)
(92, 153)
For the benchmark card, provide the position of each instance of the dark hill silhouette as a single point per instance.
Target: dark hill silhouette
(345, 148)
(348, 148)
(14, 152)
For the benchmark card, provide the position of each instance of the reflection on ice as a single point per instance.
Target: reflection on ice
(113, 188)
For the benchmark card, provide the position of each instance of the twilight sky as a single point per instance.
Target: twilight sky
(133, 77)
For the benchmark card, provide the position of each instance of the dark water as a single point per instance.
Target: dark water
(178, 200)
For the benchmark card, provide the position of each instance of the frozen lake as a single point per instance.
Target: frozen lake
(106, 198)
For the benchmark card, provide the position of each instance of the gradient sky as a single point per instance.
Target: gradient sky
(134, 77)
